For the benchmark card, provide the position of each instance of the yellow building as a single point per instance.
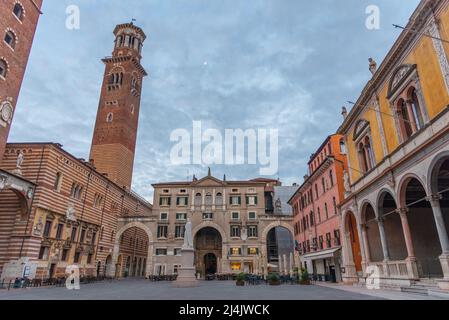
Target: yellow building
(395, 216)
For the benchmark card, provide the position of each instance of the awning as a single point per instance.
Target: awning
(330, 253)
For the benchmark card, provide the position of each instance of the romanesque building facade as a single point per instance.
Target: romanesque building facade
(71, 219)
(57, 210)
(18, 24)
(396, 213)
(230, 224)
(315, 210)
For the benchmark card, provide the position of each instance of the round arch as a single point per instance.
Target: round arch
(350, 223)
(209, 224)
(272, 225)
(116, 251)
(381, 197)
(368, 218)
(424, 233)
(402, 188)
(434, 168)
(363, 208)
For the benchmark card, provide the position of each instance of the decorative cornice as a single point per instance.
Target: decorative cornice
(411, 32)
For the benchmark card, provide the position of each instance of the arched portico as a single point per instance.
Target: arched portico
(425, 242)
(116, 252)
(376, 249)
(208, 244)
(275, 251)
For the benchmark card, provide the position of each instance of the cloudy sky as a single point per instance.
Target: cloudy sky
(283, 64)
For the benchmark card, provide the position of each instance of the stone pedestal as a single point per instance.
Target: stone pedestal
(186, 273)
(412, 268)
(444, 283)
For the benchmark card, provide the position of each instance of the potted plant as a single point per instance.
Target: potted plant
(241, 279)
(273, 279)
(305, 278)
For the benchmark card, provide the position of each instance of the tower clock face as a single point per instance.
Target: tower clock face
(6, 112)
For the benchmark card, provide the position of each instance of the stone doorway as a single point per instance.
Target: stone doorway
(208, 251)
(210, 264)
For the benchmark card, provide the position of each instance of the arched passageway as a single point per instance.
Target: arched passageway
(280, 245)
(423, 230)
(372, 234)
(391, 220)
(208, 244)
(354, 241)
(133, 245)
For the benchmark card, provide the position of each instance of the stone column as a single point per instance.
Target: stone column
(443, 236)
(383, 238)
(412, 267)
(363, 245)
(411, 114)
(350, 275)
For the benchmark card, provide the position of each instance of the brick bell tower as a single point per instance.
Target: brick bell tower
(18, 23)
(114, 139)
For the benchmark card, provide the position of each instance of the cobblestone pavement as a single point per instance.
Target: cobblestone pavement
(139, 289)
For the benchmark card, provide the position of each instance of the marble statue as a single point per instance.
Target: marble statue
(20, 158)
(347, 184)
(188, 241)
(372, 65)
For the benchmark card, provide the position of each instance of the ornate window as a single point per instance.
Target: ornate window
(208, 199)
(219, 199)
(198, 199)
(362, 137)
(18, 11)
(10, 39)
(407, 102)
(3, 68)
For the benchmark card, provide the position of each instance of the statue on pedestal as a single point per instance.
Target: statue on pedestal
(186, 273)
(188, 241)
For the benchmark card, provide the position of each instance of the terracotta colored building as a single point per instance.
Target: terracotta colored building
(115, 134)
(57, 210)
(18, 25)
(231, 225)
(315, 211)
(71, 219)
(396, 211)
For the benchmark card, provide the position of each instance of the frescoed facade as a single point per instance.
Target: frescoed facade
(396, 208)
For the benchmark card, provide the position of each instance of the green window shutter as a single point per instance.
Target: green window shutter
(247, 200)
(169, 201)
(160, 201)
(177, 201)
(255, 200)
(240, 200)
(187, 201)
(230, 200)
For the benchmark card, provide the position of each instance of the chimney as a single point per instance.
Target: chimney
(344, 112)
(306, 177)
